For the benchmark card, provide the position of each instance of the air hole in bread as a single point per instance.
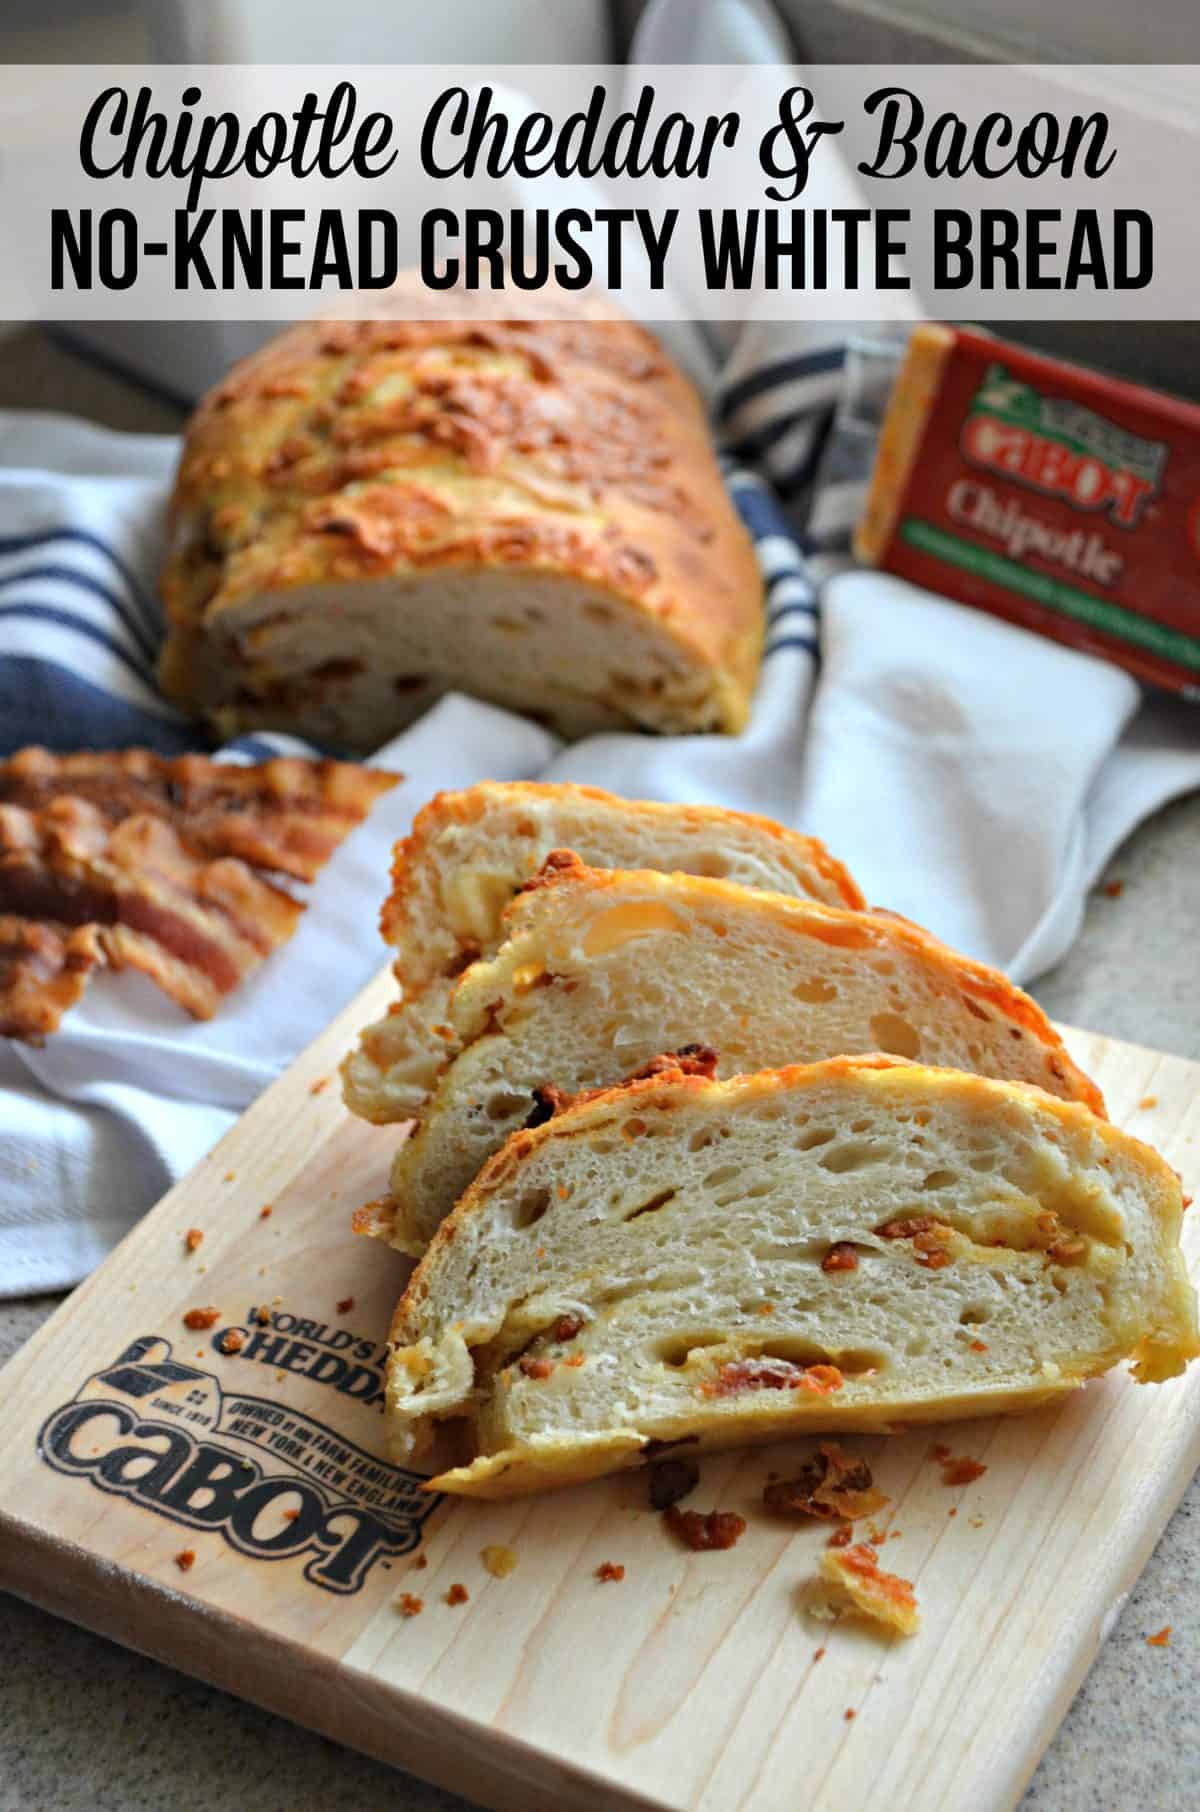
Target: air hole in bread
(816, 1135)
(815, 992)
(674, 1349)
(939, 1179)
(975, 1314)
(529, 1208)
(974, 1007)
(656, 1201)
(504, 1105)
(896, 1035)
(715, 867)
(850, 1155)
(728, 1173)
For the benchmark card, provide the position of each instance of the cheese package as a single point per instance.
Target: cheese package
(1060, 499)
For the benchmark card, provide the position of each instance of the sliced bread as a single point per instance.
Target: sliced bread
(603, 969)
(469, 852)
(849, 1245)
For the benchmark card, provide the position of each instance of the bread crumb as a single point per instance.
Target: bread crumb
(717, 1530)
(499, 1560)
(345, 1305)
(1161, 1638)
(608, 1571)
(962, 1471)
(230, 1176)
(263, 1316)
(185, 1560)
(820, 1653)
(857, 1578)
(408, 1606)
(458, 1593)
(849, 1716)
(832, 1484)
(290, 1516)
(1147, 1102)
(939, 1451)
(422, 1560)
(201, 1318)
(193, 1238)
(1114, 889)
(232, 1340)
(264, 1214)
(315, 1088)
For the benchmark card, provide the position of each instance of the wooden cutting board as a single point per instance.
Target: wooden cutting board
(128, 1441)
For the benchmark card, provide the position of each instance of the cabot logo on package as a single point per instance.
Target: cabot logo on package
(1059, 447)
(274, 1482)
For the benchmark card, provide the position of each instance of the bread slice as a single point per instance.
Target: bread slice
(849, 1245)
(603, 970)
(469, 852)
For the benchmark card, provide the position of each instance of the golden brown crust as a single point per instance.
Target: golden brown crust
(118, 859)
(349, 452)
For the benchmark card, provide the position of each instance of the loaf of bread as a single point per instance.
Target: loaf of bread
(845, 1246)
(368, 514)
(467, 855)
(602, 970)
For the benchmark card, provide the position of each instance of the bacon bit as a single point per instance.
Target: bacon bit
(767, 1308)
(458, 1594)
(841, 1538)
(264, 1214)
(185, 1560)
(930, 1238)
(850, 1716)
(233, 1340)
(939, 1451)
(841, 1256)
(422, 1560)
(609, 1572)
(819, 1653)
(834, 1485)
(979, 1346)
(887, 1598)
(1114, 889)
(263, 1317)
(962, 1471)
(567, 1326)
(1161, 1638)
(1147, 1102)
(290, 1516)
(499, 1560)
(575, 1360)
(718, 1529)
(193, 1238)
(670, 1480)
(345, 1305)
(317, 1087)
(535, 1368)
(408, 1606)
(201, 1318)
(1067, 1251)
(772, 1374)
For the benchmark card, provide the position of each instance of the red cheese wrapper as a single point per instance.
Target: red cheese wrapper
(1048, 494)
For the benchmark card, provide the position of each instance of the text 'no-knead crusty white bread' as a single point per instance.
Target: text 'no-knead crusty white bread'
(603, 970)
(368, 514)
(469, 852)
(850, 1245)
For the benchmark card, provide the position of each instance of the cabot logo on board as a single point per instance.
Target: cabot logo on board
(274, 1482)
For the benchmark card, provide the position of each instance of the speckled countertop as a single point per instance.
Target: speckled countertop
(88, 1727)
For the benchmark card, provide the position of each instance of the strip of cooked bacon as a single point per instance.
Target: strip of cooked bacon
(85, 882)
(287, 815)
